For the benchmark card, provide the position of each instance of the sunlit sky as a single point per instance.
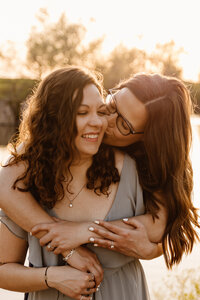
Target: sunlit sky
(141, 23)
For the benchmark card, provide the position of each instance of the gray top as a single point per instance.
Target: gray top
(124, 277)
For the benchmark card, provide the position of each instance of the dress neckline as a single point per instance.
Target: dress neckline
(115, 201)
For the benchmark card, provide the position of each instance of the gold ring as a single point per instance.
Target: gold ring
(50, 247)
(112, 245)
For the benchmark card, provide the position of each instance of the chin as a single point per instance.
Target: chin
(119, 142)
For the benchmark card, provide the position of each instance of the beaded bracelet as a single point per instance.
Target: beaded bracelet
(69, 255)
(45, 277)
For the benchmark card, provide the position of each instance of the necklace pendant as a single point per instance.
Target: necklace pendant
(70, 205)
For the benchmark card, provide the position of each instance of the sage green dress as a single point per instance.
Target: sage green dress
(124, 277)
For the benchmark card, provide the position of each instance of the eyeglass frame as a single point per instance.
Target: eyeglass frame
(132, 131)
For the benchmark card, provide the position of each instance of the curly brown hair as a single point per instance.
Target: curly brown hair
(162, 158)
(48, 130)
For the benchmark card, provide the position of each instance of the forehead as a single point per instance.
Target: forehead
(130, 106)
(91, 95)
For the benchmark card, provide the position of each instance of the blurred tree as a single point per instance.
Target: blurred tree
(59, 44)
(10, 59)
(179, 286)
(165, 59)
(121, 63)
(15, 92)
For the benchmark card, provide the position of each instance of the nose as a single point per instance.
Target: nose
(95, 121)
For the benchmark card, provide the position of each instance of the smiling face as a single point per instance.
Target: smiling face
(134, 111)
(91, 122)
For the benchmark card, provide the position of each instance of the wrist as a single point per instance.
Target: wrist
(69, 255)
(46, 279)
(50, 278)
(85, 233)
(152, 251)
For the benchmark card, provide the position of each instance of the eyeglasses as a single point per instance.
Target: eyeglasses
(123, 125)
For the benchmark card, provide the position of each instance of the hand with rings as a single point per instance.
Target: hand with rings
(131, 240)
(72, 282)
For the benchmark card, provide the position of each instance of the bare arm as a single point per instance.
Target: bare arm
(19, 206)
(15, 276)
(26, 206)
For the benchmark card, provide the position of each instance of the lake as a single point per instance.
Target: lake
(156, 270)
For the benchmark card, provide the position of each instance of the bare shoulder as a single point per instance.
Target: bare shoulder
(119, 159)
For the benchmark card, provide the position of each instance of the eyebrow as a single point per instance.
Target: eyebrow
(102, 105)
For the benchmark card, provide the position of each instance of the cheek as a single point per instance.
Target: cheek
(80, 124)
(105, 124)
(112, 120)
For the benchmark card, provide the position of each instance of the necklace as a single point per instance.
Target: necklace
(71, 200)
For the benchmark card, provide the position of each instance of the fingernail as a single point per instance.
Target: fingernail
(95, 245)
(91, 228)
(31, 234)
(97, 289)
(125, 219)
(98, 286)
(96, 222)
(91, 239)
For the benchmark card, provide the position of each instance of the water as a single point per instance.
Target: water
(156, 270)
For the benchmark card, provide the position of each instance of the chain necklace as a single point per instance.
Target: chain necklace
(71, 200)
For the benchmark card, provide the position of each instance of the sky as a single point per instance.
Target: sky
(141, 23)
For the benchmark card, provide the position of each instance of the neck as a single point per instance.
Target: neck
(79, 168)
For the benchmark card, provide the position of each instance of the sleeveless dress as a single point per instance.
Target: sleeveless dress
(124, 278)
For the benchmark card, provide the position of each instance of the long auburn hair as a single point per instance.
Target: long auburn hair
(47, 132)
(163, 161)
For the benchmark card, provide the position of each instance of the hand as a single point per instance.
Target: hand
(129, 241)
(71, 282)
(63, 235)
(85, 260)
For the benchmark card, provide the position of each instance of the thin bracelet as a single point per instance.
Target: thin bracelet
(69, 255)
(45, 277)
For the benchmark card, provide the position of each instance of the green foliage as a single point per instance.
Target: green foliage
(15, 91)
(195, 94)
(58, 45)
(121, 63)
(180, 286)
(165, 59)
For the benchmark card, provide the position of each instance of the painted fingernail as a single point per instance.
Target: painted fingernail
(95, 245)
(91, 228)
(96, 222)
(125, 219)
(91, 239)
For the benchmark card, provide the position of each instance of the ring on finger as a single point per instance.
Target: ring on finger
(50, 247)
(112, 245)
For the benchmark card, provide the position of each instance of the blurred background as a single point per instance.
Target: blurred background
(117, 38)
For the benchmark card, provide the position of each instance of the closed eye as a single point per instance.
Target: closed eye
(81, 113)
(103, 112)
(124, 124)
